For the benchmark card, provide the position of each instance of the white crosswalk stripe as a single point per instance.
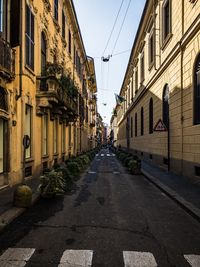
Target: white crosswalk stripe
(139, 259)
(16, 257)
(74, 258)
(193, 260)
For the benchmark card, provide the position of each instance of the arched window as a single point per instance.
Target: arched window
(197, 91)
(135, 124)
(3, 99)
(151, 116)
(166, 105)
(142, 121)
(43, 52)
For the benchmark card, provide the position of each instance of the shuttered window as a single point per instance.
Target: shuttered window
(56, 9)
(45, 135)
(63, 24)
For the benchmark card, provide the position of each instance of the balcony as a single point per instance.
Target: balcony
(50, 94)
(7, 61)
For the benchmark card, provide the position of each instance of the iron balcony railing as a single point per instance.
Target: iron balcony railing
(7, 57)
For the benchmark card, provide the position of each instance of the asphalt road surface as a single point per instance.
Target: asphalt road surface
(111, 219)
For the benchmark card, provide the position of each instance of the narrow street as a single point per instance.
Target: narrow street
(114, 218)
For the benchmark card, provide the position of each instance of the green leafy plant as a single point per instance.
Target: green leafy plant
(73, 168)
(52, 184)
(134, 166)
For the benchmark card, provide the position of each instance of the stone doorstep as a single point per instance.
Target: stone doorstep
(2, 187)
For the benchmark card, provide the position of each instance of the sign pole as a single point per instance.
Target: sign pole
(168, 144)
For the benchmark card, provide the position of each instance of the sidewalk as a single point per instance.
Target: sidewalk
(7, 211)
(185, 191)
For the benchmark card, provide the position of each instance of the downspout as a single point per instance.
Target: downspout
(182, 118)
(20, 52)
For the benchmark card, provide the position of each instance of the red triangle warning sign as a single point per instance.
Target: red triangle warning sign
(160, 127)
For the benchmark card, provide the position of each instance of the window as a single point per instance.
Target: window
(151, 48)
(132, 90)
(45, 135)
(55, 136)
(136, 79)
(28, 127)
(63, 24)
(43, 52)
(56, 10)
(3, 100)
(151, 116)
(166, 19)
(135, 124)
(70, 42)
(29, 38)
(63, 137)
(142, 121)
(142, 67)
(197, 91)
(166, 106)
(131, 126)
(1, 14)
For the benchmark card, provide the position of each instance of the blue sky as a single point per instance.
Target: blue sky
(96, 19)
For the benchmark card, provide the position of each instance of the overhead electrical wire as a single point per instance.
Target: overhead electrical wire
(121, 27)
(113, 27)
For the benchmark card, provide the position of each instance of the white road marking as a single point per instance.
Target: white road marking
(91, 172)
(74, 258)
(97, 155)
(102, 155)
(193, 260)
(139, 259)
(16, 257)
(108, 155)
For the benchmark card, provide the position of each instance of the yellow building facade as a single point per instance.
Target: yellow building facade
(46, 84)
(162, 82)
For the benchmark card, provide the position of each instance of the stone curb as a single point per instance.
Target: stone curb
(8, 216)
(187, 206)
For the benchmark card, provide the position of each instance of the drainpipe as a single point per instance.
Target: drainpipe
(20, 52)
(182, 118)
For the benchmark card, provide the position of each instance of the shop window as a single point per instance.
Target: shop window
(197, 91)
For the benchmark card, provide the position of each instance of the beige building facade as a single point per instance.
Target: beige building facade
(46, 83)
(162, 82)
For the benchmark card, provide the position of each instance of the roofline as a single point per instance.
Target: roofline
(135, 42)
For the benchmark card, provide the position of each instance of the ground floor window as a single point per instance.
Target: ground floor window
(28, 128)
(63, 137)
(55, 136)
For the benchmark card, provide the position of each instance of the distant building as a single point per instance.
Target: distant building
(47, 87)
(162, 81)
